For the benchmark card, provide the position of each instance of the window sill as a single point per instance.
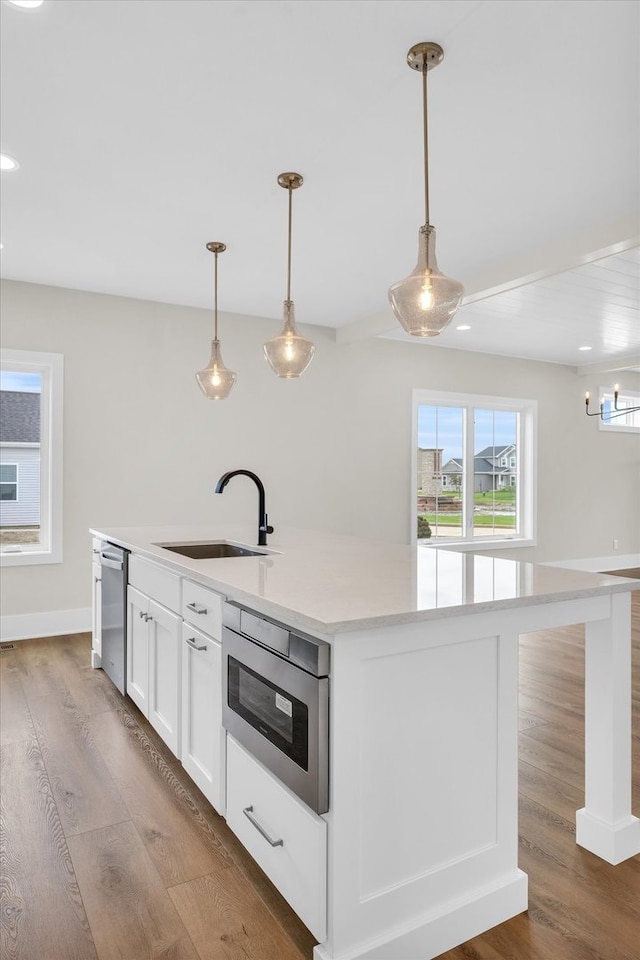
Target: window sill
(21, 558)
(493, 543)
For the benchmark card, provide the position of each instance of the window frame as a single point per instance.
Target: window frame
(50, 366)
(615, 425)
(526, 477)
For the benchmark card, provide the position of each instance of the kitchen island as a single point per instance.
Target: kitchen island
(422, 831)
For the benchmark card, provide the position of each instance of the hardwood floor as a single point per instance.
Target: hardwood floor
(110, 852)
(108, 849)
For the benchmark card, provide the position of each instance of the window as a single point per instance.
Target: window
(8, 481)
(30, 457)
(627, 423)
(485, 492)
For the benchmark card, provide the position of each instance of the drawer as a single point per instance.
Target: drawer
(297, 865)
(203, 608)
(155, 581)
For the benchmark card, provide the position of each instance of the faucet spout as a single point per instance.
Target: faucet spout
(263, 523)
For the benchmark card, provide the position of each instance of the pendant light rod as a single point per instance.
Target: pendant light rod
(215, 248)
(426, 144)
(290, 182)
(424, 57)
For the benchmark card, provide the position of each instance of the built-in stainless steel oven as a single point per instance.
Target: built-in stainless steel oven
(276, 700)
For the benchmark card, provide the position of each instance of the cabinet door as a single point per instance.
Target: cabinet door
(138, 649)
(96, 620)
(164, 674)
(203, 738)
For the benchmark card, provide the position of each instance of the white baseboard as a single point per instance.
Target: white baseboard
(53, 623)
(599, 564)
(440, 932)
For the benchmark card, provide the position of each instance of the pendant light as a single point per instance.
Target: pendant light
(289, 354)
(426, 300)
(216, 381)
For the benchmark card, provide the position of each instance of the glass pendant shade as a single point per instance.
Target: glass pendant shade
(216, 381)
(289, 354)
(425, 301)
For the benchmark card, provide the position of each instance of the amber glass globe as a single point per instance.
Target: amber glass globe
(216, 381)
(289, 354)
(424, 302)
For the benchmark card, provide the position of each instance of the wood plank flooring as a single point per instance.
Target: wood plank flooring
(110, 852)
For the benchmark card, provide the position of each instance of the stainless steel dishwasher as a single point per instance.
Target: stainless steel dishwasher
(114, 562)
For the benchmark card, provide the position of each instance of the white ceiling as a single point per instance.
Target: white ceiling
(145, 128)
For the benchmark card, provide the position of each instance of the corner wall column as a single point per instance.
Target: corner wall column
(605, 825)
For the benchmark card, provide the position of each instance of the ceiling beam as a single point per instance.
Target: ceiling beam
(629, 362)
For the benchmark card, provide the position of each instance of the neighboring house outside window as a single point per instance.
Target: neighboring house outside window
(475, 468)
(30, 457)
(20, 450)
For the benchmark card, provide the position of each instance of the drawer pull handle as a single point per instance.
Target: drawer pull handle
(192, 643)
(196, 608)
(248, 812)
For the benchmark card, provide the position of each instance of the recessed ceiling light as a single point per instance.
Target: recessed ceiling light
(585, 348)
(463, 326)
(8, 163)
(26, 4)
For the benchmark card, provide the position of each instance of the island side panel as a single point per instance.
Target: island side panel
(423, 820)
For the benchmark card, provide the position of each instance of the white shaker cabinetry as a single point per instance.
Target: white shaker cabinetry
(153, 647)
(203, 737)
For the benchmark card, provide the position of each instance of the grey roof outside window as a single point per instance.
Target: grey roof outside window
(19, 417)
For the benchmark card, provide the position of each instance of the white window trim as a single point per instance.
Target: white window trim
(51, 368)
(615, 426)
(526, 442)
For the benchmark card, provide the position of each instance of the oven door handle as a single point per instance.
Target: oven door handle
(248, 812)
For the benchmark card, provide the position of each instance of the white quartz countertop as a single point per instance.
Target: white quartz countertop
(332, 584)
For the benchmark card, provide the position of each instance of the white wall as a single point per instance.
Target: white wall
(143, 446)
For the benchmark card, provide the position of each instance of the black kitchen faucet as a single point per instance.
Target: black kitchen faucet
(263, 525)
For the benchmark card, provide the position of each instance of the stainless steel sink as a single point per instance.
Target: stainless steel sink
(212, 550)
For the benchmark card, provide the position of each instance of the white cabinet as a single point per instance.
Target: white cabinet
(96, 605)
(282, 835)
(203, 737)
(138, 649)
(153, 648)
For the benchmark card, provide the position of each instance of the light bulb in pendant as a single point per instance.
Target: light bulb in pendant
(426, 296)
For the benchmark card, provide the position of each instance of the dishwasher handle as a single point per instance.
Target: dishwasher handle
(113, 560)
